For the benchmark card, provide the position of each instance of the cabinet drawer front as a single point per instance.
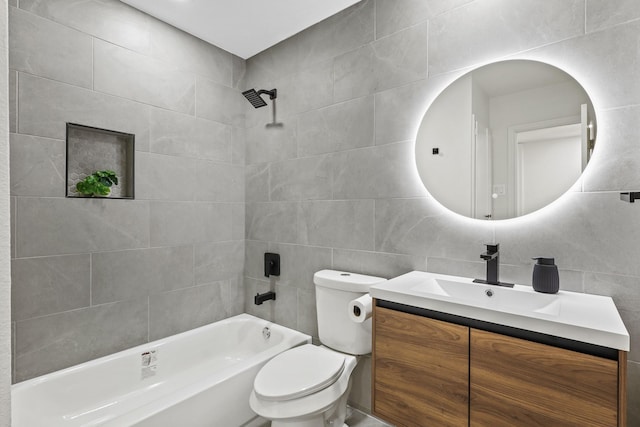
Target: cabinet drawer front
(420, 370)
(515, 382)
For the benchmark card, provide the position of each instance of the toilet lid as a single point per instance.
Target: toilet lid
(298, 372)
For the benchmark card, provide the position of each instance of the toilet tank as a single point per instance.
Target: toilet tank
(334, 291)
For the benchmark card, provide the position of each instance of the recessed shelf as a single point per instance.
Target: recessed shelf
(91, 149)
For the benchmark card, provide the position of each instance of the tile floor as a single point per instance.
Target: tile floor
(355, 418)
(358, 418)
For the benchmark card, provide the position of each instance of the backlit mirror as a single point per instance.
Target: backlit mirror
(505, 139)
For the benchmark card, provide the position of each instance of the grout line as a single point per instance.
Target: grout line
(93, 63)
(148, 318)
(90, 279)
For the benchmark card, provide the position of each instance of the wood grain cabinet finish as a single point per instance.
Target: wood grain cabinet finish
(420, 370)
(515, 382)
(429, 372)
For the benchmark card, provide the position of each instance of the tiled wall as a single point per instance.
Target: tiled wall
(5, 249)
(91, 277)
(336, 186)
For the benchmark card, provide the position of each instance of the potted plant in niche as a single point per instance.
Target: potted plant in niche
(98, 184)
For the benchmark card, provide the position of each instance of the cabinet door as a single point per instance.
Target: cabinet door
(515, 382)
(420, 370)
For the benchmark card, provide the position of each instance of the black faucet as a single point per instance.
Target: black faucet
(492, 257)
(260, 298)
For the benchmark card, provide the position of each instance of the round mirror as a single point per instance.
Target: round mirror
(505, 139)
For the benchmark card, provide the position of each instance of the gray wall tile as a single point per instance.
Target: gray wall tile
(614, 165)
(138, 61)
(376, 172)
(184, 135)
(625, 291)
(238, 72)
(180, 223)
(218, 261)
(48, 285)
(160, 177)
(604, 14)
(37, 166)
(298, 264)
(338, 127)
(342, 224)
(285, 307)
(307, 313)
(301, 179)
(383, 64)
(13, 101)
(399, 112)
(233, 295)
(376, 263)
(614, 51)
(238, 142)
(421, 227)
(272, 221)
(51, 226)
(308, 89)
(392, 16)
(178, 311)
(257, 182)
(237, 221)
(218, 182)
(335, 35)
(12, 209)
(46, 344)
(188, 53)
(126, 275)
(254, 258)
(45, 106)
(273, 143)
(219, 103)
(104, 19)
(481, 33)
(127, 74)
(39, 46)
(569, 231)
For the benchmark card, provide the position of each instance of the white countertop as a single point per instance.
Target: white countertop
(582, 317)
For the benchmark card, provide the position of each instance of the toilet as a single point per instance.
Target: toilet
(308, 386)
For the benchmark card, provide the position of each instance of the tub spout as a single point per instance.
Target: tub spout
(260, 298)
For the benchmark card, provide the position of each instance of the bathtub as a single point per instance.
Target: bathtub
(199, 378)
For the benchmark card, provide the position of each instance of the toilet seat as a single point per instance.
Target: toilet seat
(298, 372)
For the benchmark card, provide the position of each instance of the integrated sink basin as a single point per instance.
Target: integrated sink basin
(582, 317)
(487, 296)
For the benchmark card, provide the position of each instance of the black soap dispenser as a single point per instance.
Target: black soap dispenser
(545, 276)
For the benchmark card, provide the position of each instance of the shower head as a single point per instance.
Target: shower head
(256, 100)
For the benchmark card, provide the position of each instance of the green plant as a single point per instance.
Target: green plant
(98, 183)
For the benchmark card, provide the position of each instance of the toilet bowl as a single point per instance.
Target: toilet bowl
(305, 386)
(308, 386)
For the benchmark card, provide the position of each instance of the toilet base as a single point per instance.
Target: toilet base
(331, 417)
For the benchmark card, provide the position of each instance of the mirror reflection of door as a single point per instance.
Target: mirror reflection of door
(483, 208)
(549, 161)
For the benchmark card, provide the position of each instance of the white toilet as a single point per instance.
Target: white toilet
(308, 386)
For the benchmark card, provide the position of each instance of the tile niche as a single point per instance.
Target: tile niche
(91, 149)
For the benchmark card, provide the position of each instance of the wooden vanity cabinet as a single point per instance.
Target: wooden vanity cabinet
(420, 370)
(429, 372)
(515, 382)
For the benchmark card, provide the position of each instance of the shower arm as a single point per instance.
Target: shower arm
(273, 94)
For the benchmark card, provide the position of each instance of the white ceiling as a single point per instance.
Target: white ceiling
(242, 27)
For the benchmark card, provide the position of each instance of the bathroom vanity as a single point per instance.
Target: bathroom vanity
(449, 352)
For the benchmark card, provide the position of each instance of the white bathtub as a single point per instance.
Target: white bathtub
(199, 378)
